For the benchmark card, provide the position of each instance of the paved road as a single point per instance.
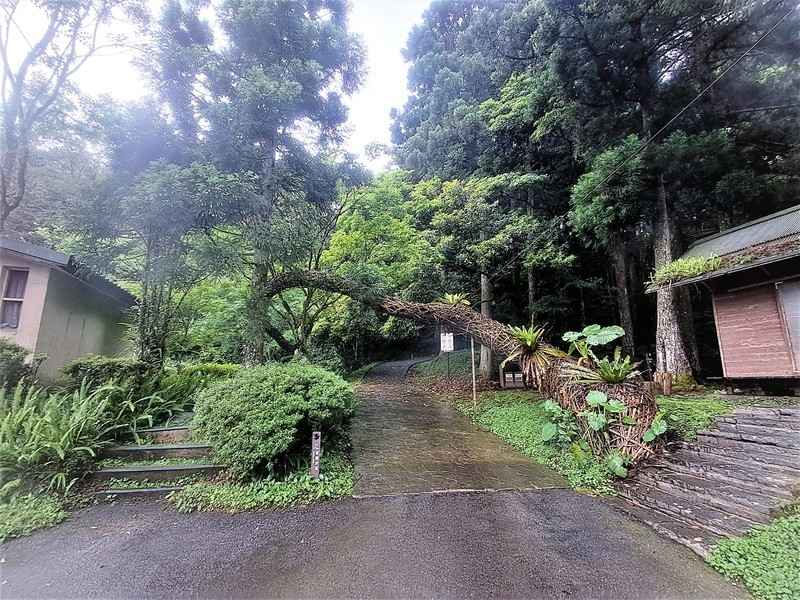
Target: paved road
(546, 543)
(407, 442)
(539, 544)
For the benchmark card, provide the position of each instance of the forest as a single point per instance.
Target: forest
(551, 157)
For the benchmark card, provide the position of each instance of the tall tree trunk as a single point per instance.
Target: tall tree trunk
(254, 351)
(532, 292)
(676, 346)
(485, 369)
(619, 260)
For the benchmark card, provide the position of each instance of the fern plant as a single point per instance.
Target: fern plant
(454, 299)
(604, 370)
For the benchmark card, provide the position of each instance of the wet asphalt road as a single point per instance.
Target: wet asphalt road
(535, 544)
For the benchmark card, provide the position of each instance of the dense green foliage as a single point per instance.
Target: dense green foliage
(520, 418)
(767, 560)
(100, 369)
(457, 363)
(292, 489)
(22, 514)
(259, 418)
(51, 438)
(685, 416)
(12, 363)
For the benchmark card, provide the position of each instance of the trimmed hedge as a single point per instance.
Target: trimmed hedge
(256, 420)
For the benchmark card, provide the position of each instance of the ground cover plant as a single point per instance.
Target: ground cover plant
(294, 488)
(21, 514)
(522, 419)
(257, 420)
(683, 268)
(767, 560)
(685, 416)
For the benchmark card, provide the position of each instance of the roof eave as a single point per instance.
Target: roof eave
(768, 260)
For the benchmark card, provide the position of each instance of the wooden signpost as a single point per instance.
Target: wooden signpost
(316, 452)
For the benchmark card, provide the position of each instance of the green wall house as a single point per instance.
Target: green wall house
(51, 307)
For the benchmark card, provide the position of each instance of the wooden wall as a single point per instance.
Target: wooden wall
(752, 334)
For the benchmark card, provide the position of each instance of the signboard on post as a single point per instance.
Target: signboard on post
(446, 342)
(316, 448)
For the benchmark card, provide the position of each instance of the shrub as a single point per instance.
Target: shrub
(50, 438)
(261, 416)
(12, 363)
(181, 386)
(101, 369)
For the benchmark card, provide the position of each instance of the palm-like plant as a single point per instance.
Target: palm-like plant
(533, 354)
(458, 299)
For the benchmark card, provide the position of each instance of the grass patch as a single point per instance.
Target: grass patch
(517, 417)
(143, 484)
(297, 488)
(683, 268)
(22, 514)
(459, 365)
(121, 463)
(687, 415)
(357, 376)
(767, 560)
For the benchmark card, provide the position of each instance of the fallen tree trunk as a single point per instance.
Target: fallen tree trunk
(550, 377)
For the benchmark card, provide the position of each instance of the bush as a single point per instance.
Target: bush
(181, 386)
(261, 416)
(101, 369)
(12, 363)
(22, 514)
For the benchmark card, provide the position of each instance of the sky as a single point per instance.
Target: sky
(384, 26)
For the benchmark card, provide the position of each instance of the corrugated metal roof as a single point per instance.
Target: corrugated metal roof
(69, 265)
(766, 229)
(34, 251)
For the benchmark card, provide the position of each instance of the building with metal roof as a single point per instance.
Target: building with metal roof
(52, 306)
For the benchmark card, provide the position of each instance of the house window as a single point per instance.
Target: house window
(13, 293)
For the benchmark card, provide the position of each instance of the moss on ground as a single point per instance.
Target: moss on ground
(518, 417)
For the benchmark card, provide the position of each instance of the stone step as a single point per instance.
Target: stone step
(679, 529)
(157, 472)
(745, 477)
(153, 493)
(741, 450)
(769, 412)
(701, 491)
(139, 452)
(713, 519)
(767, 435)
(167, 435)
(785, 423)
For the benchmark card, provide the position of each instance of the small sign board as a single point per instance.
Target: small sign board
(316, 451)
(446, 342)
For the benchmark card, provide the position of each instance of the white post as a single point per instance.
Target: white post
(474, 384)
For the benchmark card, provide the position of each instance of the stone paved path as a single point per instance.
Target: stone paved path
(407, 442)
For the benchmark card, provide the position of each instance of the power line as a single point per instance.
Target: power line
(650, 140)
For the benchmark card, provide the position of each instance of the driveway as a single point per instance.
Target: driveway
(539, 541)
(405, 441)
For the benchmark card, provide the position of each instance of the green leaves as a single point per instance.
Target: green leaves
(549, 431)
(596, 420)
(657, 427)
(596, 398)
(616, 464)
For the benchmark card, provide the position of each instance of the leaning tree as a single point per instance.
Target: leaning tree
(550, 368)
